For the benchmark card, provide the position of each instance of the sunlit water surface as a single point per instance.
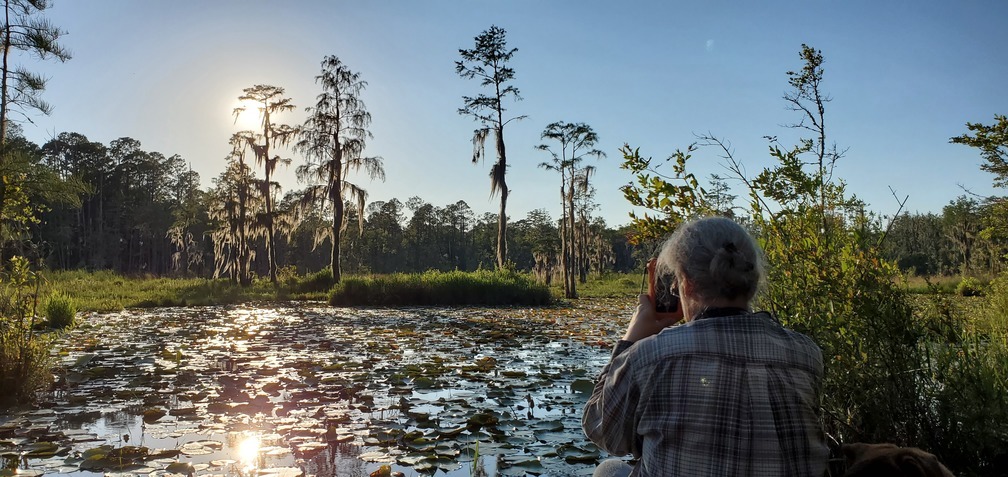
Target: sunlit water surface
(306, 390)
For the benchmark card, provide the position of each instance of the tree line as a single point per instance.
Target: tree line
(143, 212)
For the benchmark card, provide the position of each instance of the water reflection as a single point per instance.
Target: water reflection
(248, 454)
(330, 393)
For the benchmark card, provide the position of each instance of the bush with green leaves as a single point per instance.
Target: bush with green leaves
(969, 286)
(25, 361)
(60, 310)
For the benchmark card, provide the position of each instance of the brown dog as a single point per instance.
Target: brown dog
(888, 460)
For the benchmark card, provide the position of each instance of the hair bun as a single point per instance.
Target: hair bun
(732, 269)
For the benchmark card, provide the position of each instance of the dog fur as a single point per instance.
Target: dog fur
(888, 460)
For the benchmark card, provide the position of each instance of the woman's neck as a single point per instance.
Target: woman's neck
(693, 309)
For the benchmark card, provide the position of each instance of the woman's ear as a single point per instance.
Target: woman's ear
(685, 287)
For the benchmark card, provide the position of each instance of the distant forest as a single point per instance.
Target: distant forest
(142, 212)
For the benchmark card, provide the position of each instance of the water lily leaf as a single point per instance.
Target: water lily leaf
(451, 433)
(82, 360)
(164, 454)
(181, 411)
(42, 450)
(99, 452)
(184, 468)
(554, 426)
(582, 385)
(480, 420)
(374, 456)
(128, 453)
(152, 415)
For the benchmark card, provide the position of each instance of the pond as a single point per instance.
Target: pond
(314, 390)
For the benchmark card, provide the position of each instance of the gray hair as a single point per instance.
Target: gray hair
(717, 256)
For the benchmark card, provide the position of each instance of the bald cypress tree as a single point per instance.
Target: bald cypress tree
(488, 62)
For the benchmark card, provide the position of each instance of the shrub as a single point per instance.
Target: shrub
(60, 310)
(969, 286)
(24, 354)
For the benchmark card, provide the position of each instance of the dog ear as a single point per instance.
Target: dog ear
(859, 451)
(852, 452)
(918, 462)
(915, 464)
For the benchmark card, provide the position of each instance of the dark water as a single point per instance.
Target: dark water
(310, 390)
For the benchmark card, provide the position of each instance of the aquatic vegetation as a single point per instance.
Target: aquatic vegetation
(60, 310)
(321, 390)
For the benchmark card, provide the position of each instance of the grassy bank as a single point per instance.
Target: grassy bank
(481, 287)
(106, 291)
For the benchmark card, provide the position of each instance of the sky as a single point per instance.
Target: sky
(904, 76)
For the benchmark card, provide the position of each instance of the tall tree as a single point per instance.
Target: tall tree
(576, 142)
(961, 220)
(993, 144)
(24, 30)
(269, 100)
(333, 139)
(992, 141)
(229, 204)
(488, 62)
(383, 237)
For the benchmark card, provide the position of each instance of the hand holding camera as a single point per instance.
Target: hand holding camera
(657, 309)
(663, 293)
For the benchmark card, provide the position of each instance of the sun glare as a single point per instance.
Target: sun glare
(248, 118)
(248, 453)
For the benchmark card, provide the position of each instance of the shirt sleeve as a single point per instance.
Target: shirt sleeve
(609, 418)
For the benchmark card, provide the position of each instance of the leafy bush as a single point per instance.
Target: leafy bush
(24, 354)
(969, 286)
(60, 310)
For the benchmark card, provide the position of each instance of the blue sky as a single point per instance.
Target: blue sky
(904, 76)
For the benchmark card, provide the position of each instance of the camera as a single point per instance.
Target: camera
(660, 291)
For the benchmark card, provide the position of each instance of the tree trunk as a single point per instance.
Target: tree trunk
(502, 219)
(337, 225)
(564, 255)
(3, 83)
(570, 276)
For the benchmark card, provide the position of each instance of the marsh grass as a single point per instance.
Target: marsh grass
(947, 284)
(482, 287)
(610, 285)
(60, 310)
(105, 291)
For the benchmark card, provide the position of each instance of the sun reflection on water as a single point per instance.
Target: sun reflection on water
(248, 453)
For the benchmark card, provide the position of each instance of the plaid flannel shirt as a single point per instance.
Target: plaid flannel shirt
(734, 395)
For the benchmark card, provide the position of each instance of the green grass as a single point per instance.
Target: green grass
(610, 285)
(60, 310)
(946, 284)
(105, 291)
(481, 287)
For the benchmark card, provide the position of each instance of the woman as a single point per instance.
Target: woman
(729, 392)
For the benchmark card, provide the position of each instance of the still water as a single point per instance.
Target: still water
(312, 390)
